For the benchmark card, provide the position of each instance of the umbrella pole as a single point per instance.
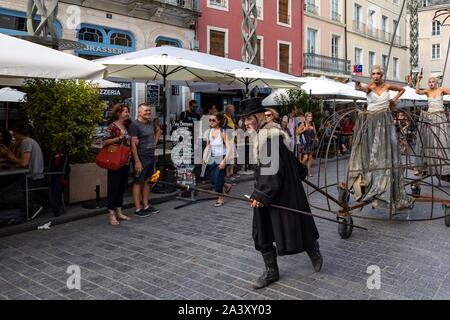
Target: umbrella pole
(310, 95)
(7, 114)
(164, 116)
(164, 188)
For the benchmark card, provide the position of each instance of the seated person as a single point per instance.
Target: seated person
(346, 134)
(30, 157)
(6, 140)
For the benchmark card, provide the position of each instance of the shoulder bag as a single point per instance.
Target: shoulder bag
(113, 157)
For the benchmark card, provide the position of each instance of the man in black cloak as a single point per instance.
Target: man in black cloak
(279, 178)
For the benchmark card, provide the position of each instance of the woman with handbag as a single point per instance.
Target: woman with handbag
(308, 139)
(117, 135)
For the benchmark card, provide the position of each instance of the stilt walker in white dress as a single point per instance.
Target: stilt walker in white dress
(375, 169)
(433, 139)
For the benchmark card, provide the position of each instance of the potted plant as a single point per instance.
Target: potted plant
(65, 115)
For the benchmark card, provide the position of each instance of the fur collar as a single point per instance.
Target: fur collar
(269, 132)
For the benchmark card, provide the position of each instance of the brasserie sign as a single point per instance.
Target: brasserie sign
(105, 50)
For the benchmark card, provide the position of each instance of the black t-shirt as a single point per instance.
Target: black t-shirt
(189, 116)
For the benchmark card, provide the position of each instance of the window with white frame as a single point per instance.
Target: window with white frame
(357, 17)
(396, 68)
(384, 61)
(284, 12)
(218, 42)
(311, 7)
(260, 8)
(260, 52)
(371, 23)
(335, 46)
(436, 51)
(384, 23)
(284, 57)
(358, 56)
(436, 28)
(371, 59)
(311, 39)
(218, 4)
(335, 15)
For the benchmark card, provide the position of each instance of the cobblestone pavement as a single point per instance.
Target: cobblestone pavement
(202, 252)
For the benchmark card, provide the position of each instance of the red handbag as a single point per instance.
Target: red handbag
(113, 157)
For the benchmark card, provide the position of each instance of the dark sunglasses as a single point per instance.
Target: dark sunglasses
(212, 120)
(268, 115)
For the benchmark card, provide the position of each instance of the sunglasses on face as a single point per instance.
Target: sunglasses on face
(268, 115)
(212, 120)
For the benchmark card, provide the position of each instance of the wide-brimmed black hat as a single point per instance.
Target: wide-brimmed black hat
(251, 106)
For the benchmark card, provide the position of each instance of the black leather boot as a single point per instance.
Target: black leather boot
(316, 257)
(271, 273)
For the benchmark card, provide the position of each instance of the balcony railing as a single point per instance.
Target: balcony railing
(336, 16)
(431, 3)
(186, 4)
(327, 64)
(378, 34)
(311, 8)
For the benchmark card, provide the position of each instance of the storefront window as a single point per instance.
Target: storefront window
(121, 39)
(90, 34)
(163, 41)
(15, 23)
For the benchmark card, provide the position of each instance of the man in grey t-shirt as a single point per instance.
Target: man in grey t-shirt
(31, 158)
(144, 137)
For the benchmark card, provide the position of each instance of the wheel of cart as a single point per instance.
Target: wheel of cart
(345, 230)
(446, 208)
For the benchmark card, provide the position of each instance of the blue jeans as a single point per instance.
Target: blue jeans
(217, 176)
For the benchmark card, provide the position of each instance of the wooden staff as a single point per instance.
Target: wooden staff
(187, 188)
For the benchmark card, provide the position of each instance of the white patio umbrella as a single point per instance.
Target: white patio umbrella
(161, 63)
(410, 98)
(24, 59)
(10, 95)
(104, 83)
(18, 82)
(323, 88)
(262, 77)
(273, 99)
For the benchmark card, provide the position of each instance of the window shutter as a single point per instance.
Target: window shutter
(258, 53)
(283, 14)
(217, 43)
(284, 58)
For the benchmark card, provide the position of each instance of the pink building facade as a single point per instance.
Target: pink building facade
(279, 30)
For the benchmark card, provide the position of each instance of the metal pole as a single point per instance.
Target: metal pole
(269, 206)
(164, 114)
(445, 65)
